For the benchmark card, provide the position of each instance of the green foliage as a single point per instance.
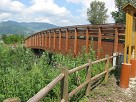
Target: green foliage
(12, 39)
(22, 74)
(119, 14)
(97, 13)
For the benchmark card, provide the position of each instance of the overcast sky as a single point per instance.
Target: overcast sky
(58, 12)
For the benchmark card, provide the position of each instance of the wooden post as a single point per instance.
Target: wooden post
(49, 39)
(43, 39)
(116, 40)
(87, 40)
(99, 42)
(46, 37)
(40, 40)
(60, 40)
(75, 43)
(28, 42)
(32, 40)
(88, 77)
(107, 68)
(66, 40)
(64, 85)
(54, 41)
(36, 40)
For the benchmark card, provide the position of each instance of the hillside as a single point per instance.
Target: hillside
(12, 27)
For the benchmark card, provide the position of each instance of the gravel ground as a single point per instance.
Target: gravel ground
(110, 92)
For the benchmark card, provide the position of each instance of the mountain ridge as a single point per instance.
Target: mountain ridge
(25, 28)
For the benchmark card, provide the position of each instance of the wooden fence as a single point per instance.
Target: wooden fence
(63, 78)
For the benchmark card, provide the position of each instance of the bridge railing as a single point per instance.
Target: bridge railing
(63, 78)
(70, 39)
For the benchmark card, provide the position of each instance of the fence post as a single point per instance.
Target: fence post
(64, 85)
(107, 68)
(88, 77)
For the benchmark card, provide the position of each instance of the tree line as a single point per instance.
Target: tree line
(12, 38)
(97, 12)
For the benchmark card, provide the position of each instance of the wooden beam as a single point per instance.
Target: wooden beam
(46, 37)
(116, 40)
(43, 40)
(66, 41)
(49, 40)
(54, 40)
(60, 40)
(99, 43)
(75, 42)
(87, 40)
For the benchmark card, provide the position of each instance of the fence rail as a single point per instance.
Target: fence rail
(63, 78)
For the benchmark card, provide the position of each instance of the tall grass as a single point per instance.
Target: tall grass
(22, 74)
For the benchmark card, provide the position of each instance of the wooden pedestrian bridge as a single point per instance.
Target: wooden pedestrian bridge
(106, 39)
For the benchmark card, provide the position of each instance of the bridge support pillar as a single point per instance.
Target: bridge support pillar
(125, 75)
(130, 38)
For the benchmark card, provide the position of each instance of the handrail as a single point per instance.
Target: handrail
(46, 89)
(43, 92)
(83, 26)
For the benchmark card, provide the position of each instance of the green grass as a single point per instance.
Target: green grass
(22, 74)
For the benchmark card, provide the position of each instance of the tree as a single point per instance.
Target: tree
(12, 39)
(119, 15)
(97, 13)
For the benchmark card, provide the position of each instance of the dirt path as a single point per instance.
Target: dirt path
(111, 92)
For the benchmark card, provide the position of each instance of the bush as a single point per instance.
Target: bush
(22, 74)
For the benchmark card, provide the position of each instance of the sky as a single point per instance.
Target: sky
(58, 12)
